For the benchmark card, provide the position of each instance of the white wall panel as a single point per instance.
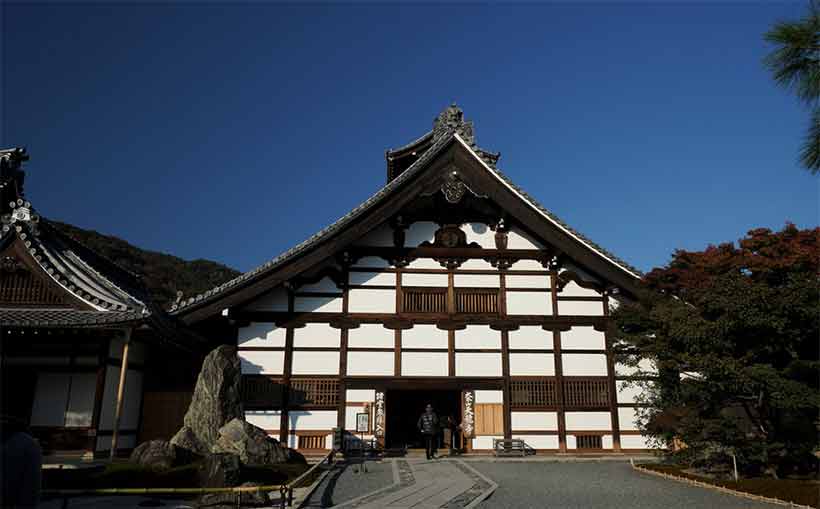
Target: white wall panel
(583, 338)
(539, 441)
(485, 396)
(261, 334)
(315, 363)
(572, 443)
(588, 421)
(424, 336)
(306, 420)
(372, 262)
(350, 417)
(261, 362)
(628, 418)
(474, 264)
(635, 442)
(360, 395)
(369, 363)
(316, 335)
(318, 304)
(419, 232)
(476, 280)
(580, 308)
(478, 336)
(534, 421)
(424, 263)
(371, 301)
(50, 398)
(520, 281)
(529, 303)
(325, 285)
(435, 280)
(530, 337)
(478, 364)
(527, 265)
(628, 392)
(645, 365)
(606, 442)
(517, 239)
(582, 364)
(371, 335)
(573, 289)
(479, 233)
(372, 278)
(423, 364)
(265, 419)
(532, 364)
(274, 300)
(485, 442)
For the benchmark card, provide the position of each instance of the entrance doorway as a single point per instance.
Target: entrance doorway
(404, 407)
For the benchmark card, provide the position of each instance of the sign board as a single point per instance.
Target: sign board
(362, 423)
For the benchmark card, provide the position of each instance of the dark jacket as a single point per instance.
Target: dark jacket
(428, 423)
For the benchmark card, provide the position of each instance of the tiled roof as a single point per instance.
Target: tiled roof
(65, 317)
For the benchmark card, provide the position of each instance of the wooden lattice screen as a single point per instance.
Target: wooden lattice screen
(424, 300)
(588, 442)
(586, 393)
(314, 392)
(312, 441)
(532, 393)
(20, 287)
(476, 300)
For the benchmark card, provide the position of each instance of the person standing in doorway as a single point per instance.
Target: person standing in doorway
(428, 425)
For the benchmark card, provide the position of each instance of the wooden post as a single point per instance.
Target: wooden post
(120, 390)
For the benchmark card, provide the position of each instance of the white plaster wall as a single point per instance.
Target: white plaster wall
(635, 442)
(478, 336)
(588, 421)
(628, 418)
(370, 363)
(484, 442)
(539, 441)
(316, 335)
(362, 300)
(372, 278)
(534, 421)
(132, 399)
(476, 280)
(573, 289)
(628, 392)
(572, 443)
(646, 365)
(315, 363)
(81, 399)
(261, 334)
(521, 281)
(424, 263)
(261, 362)
(424, 336)
(479, 233)
(527, 265)
(360, 395)
(474, 264)
(423, 364)
(371, 335)
(307, 420)
(123, 442)
(530, 337)
(529, 303)
(419, 232)
(583, 364)
(265, 419)
(350, 417)
(381, 236)
(532, 364)
(318, 304)
(435, 280)
(583, 338)
(274, 300)
(372, 262)
(580, 308)
(517, 239)
(50, 397)
(478, 364)
(485, 396)
(606, 442)
(325, 285)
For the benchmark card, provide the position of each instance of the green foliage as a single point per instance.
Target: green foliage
(733, 332)
(162, 274)
(795, 65)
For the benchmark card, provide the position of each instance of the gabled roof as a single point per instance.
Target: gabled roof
(449, 132)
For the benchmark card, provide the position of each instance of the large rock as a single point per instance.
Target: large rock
(155, 454)
(253, 446)
(220, 471)
(216, 401)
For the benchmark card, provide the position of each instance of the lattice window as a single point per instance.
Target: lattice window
(312, 442)
(476, 300)
(314, 392)
(532, 393)
(21, 287)
(588, 442)
(424, 300)
(261, 392)
(586, 393)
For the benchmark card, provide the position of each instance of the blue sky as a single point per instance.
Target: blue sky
(232, 132)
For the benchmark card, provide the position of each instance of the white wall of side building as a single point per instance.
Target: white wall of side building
(584, 364)
(583, 338)
(370, 363)
(316, 335)
(529, 303)
(539, 441)
(260, 362)
(478, 364)
(365, 300)
(315, 363)
(262, 334)
(424, 336)
(424, 363)
(532, 364)
(371, 335)
(588, 421)
(478, 336)
(530, 337)
(534, 421)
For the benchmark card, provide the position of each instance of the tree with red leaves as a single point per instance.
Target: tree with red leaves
(734, 334)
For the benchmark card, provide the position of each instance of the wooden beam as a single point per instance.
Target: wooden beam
(120, 391)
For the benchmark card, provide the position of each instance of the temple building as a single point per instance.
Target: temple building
(450, 285)
(89, 363)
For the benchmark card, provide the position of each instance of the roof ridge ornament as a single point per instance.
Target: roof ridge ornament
(452, 120)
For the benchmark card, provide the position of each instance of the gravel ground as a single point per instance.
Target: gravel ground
(595, 485)
(343, 484)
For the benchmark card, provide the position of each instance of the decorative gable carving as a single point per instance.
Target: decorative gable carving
(20, 287)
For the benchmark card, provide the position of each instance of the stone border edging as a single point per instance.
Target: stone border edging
(700, 484)
(483, 496)
(396, 482)
(297, 503)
